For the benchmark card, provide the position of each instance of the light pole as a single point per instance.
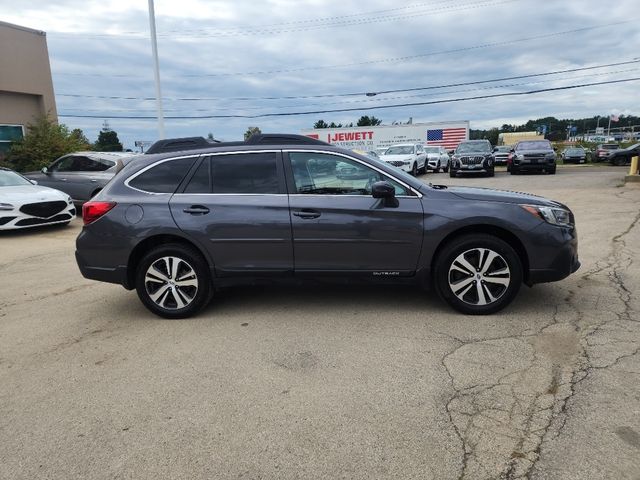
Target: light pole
(156, 69)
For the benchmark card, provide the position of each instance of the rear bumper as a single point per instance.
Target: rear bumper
(103, 274)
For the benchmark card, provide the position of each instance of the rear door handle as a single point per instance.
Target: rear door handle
(307, 213)
(196, 210)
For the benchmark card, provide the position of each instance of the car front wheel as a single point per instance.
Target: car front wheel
(478, 274)
(173, 281)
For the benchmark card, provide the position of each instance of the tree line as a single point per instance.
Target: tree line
(47, 140)
(556, 129)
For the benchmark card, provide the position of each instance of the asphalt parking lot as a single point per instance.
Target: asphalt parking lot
(329, 382)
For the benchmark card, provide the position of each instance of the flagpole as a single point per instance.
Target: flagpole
(609, 128)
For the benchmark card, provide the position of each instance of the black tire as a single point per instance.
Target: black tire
(619, 161)
(189, 258)
(445, 169)
(552, 171)
(452, 173)
(514, 171)
(414, 169)
(445, 276)
(491, 173)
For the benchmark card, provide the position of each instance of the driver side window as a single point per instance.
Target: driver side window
(63, 165)
(327, 174)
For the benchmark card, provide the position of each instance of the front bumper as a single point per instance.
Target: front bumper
(533, 167)
(556, 254)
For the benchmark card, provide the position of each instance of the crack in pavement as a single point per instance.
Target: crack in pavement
(510, 393)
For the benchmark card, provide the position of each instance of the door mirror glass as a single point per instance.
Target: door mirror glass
(45, 170)
(383, 190)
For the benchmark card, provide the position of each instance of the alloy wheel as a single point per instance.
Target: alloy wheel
(171, 283)
(479, 276)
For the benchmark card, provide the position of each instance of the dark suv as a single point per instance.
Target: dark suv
(175, 226)
(533, 156)
(473, 156)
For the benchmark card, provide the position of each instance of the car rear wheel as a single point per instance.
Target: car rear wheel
(414, 170)
(478, 274)
(173, 281)
(552, 171)
(452, 173)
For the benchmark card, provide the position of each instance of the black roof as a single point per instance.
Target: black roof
(196, 143)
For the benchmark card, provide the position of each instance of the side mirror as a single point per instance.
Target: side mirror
(383, 190)
(45, 170)
(513, 150)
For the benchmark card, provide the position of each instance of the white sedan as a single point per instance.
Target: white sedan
(24, 204)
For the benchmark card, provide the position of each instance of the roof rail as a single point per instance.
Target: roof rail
(194, 143)
(178, 144)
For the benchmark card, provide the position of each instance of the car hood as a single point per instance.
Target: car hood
(483, 153)
(29, 194)
(533, 152)
(389, 158)
(505, 196)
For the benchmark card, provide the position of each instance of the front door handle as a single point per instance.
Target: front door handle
(307, 213)
(196, 210)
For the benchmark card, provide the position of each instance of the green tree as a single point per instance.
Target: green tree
(368, 121)
(335, 125)
(79, 135)
(107, 140)
(210, 137)
(252, 131)
(321, 124)
(44, 141)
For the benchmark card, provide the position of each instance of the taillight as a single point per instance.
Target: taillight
(92, 211)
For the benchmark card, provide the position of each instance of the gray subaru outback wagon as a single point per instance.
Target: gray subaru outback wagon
(177, 225)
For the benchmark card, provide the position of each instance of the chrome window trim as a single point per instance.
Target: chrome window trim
(148, 167)
(418, 194)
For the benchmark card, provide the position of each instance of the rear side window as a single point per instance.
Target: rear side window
(245, 173)
(164, 177)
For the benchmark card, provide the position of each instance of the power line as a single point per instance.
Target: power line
(380, 61)
(374, 99)
(380, 107)
(358, 94)
(265, 30)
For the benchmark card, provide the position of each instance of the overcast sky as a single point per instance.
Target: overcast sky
(231, 54)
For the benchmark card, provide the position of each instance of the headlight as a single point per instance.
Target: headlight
(69, 201)
(5, 207)
(552, 215)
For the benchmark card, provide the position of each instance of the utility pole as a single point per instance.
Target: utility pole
(156, 69)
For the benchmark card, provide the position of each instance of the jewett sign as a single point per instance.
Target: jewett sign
(448, 134)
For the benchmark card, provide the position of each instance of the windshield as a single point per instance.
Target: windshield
(400, 150)
(575, 151)
(504, 148)
(432, 149)
(537, 145)
(12, 179)
(474, 147)
(633, 147)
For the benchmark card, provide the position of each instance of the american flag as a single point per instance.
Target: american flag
(449, 138)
